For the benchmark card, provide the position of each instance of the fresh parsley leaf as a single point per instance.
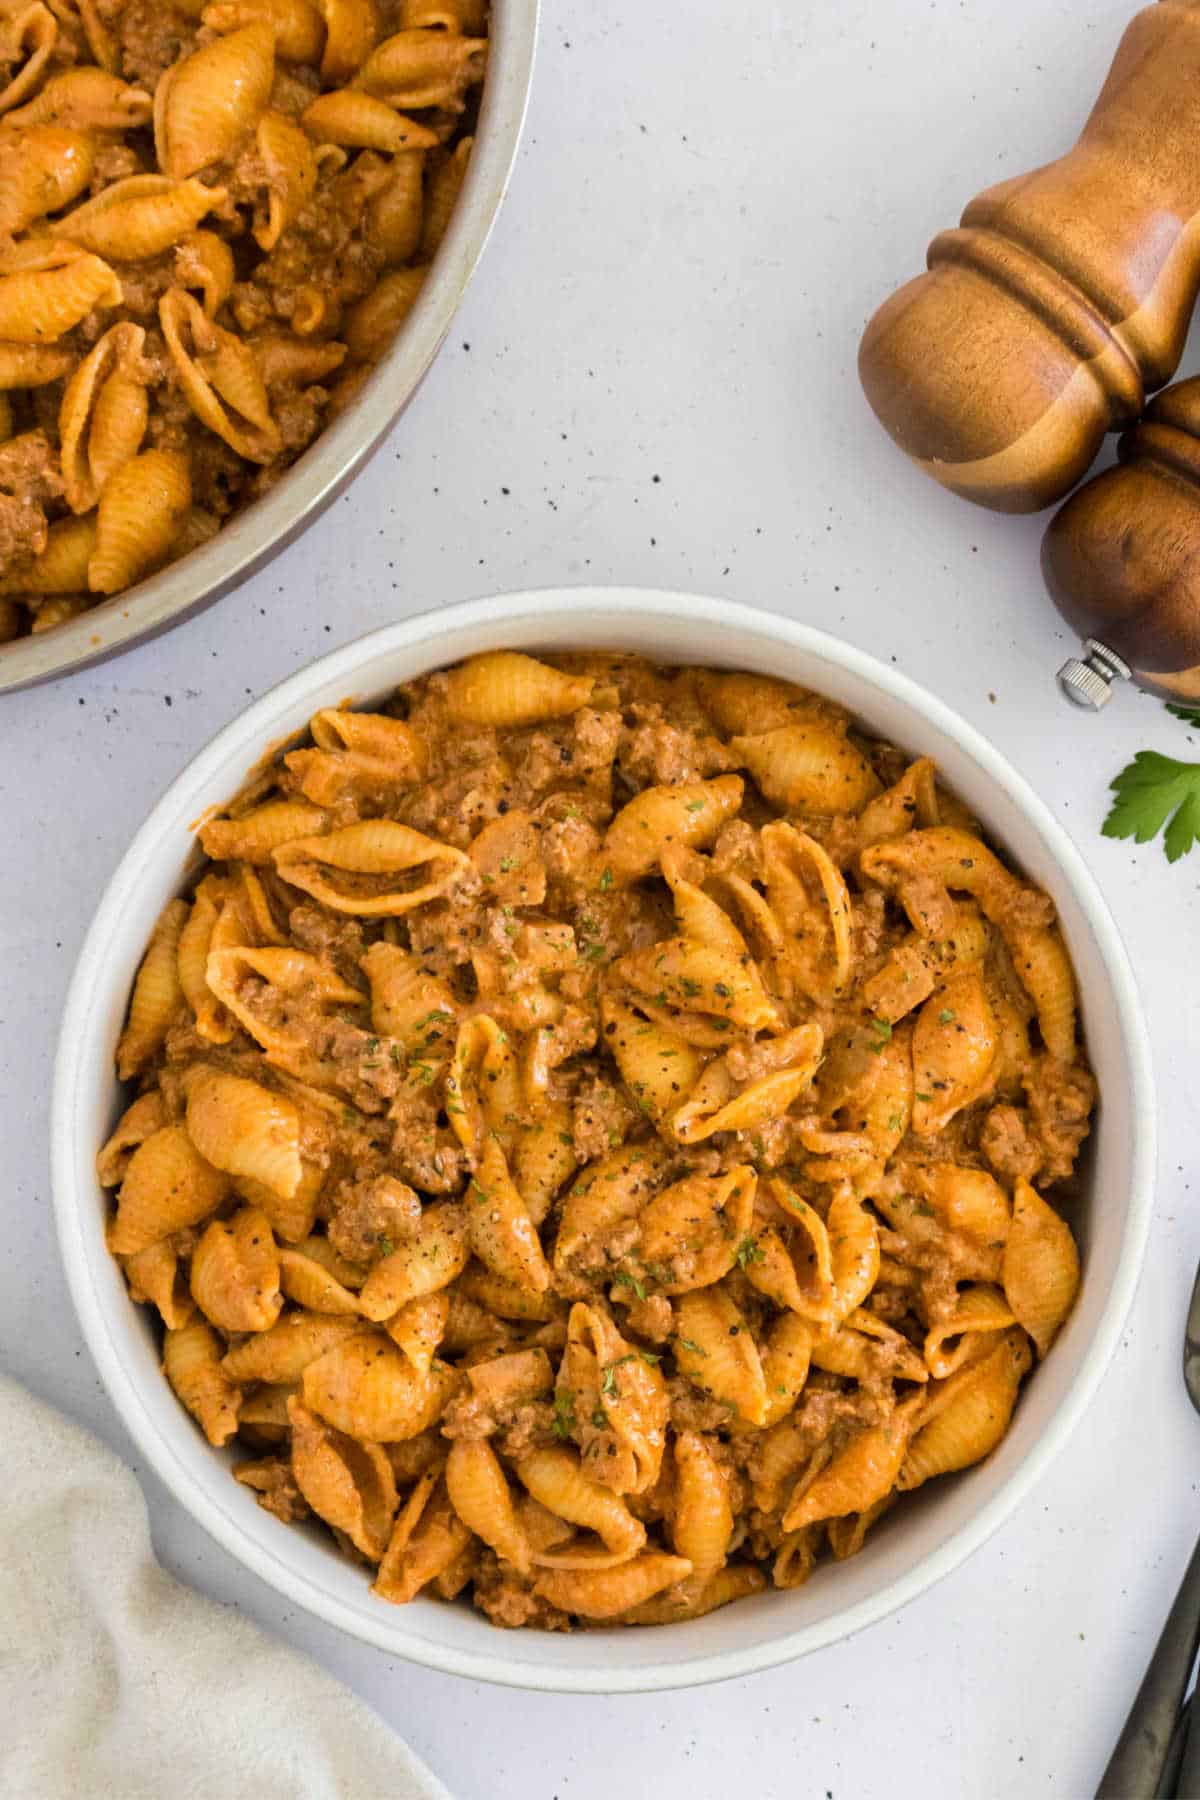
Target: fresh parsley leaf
(947, 1016)
(1154, 792)
(608, 1379)
(695, 1348)
(632, 1281)
(881, 1033)
(750, 1251)
(1189, 714)
(386, 1246)
(606, 881)
(564, 1413)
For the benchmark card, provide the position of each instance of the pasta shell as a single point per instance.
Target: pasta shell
(313, 1286)
(139, 217)
(62, 566)
(631, 1394)
(854, 1251)
(155, 1277)
(858, 1476)
(204, 261)
(719, 1103)
(504, 1298)
(254, 836)
(483, 1084)
(31, 33)
(191, 1363)
(347, 1483)
(415, 69)
(967, 1416)
(204, 105)
(469, 17)
(102, 419)
(372, 858)
(281, 1354)
(99, 39)
(797, 1271)
(422, 1552)
(195, 942)
(219, 377)
(954, 1048)
(607, 1194)
(291, 176)
(980, 1311)
(138, 1122)
(395, 215)
(430, 1261)
(418, 1328)
(505, 688)
(245, 1129)
(242, 980)
(1043, 967)
(659, 1068)
(847, 1536)
(808, 896)
(408, 1003)
(47, 287)
(368, 1388)
(739, 701)
(499, 1228)
(715, 1351)
(556, 1480)
(352, 28)
(690, 814)
(86, 100)
(167, 1186)
(483, 1501)
(796, 1557)
(692, 1601)
(373, 323)
(298, 26)
(605, 1593)
(785, 1359)
(809, 766)
(157, 995)
(360, 122)
(31, 365)
(692, 977)
(1041, 1267)
(141, 511)
(703, 1525)
(235, 1273)
(45, 167)
(691, 1231)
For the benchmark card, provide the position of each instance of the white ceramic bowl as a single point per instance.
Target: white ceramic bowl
(923, 1540)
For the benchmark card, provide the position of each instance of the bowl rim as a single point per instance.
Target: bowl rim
(257, 726)
(258, 532)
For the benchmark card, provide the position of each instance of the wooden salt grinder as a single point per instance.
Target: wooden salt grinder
(1122, 559)
(1063, 298)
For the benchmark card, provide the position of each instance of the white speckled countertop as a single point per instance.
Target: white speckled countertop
(652, 381)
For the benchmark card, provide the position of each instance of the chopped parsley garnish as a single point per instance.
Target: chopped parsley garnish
(750, 1251)
(947, 1016)
(627, 1280)
(606, 881)
(386, 1246)
(1156, 793)
(695, 1348)
(564, 1413)
(881, 1033)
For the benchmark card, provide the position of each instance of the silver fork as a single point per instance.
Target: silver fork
(1157, 1755)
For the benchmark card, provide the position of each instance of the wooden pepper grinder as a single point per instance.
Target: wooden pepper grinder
(1063, 298)
(1122, 559)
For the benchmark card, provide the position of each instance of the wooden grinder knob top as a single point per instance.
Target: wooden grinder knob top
(1063, 297)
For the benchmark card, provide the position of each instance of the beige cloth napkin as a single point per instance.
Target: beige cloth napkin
(118, 1684)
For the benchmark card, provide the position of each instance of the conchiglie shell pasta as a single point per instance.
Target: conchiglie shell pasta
(138, 1122)
(157, 995)
(693, 1228)
(219, 377)
(481, 1497)
(298, 26)
(368, 864)
(785, 1359)
(48, 286)
(408, 1003)
(716, 1352)
(347, 1483)
(680, 973)
(368, 1388)
(499, 1227)
(86, 100)
(291, 175)
(235, 1273)
(606, 1195)
(740, 702)
(858, 1476)
(605, 1593)
(191, 1362)
(46, 167)
(352, 28)
(692, 1600)
(246, 1129)
(155, 1277)
(415, 69)
(503, 687)
(468, 17)
(139, 217)
(204, 261)
(979, 1312)
(966, 1416)
(371, 325)
(703, 1523)
(431, 1261)
(809, 766)
(1044, 969)
(421, 1554)
(632, 1395)
(556, 1480)
(313, 1286)
(32, 33)
(195, 943)
(658, 1067)
(359, 121)
(140, 515)
(419, 1327)
(690, 814)
(954, 1048)
(30, 366)
(281, 1355)
(205, 104)
(254, 836)
(441, 196)
(168, 1185)
(395, 215)
(356, 750)
(62, 567)
(103, 415)
(1041, 1267)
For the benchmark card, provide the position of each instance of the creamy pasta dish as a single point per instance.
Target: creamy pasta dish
(596, 1135)
(214, 215)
